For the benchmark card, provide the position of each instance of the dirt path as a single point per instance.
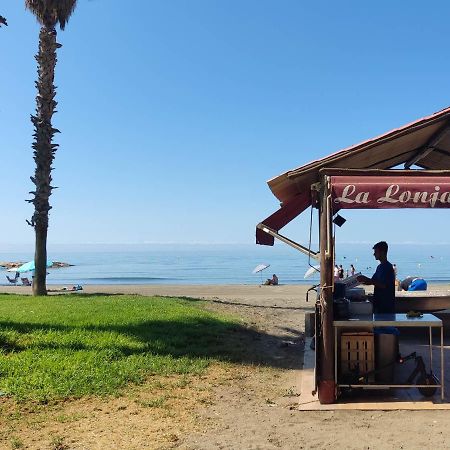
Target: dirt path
(259, 411)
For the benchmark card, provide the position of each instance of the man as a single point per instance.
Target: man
(383, 281)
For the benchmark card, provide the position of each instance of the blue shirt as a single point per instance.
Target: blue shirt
(384, 298)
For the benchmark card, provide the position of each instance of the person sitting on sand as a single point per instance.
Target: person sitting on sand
(272, 281)
(413, 284)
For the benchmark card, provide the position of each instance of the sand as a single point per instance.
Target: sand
(257, 408)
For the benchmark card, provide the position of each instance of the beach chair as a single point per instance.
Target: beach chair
(13, 280)
(26, 282)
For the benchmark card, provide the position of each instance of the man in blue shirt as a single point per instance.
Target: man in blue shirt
(383, 281)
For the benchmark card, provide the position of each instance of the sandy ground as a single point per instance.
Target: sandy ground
(250, 406)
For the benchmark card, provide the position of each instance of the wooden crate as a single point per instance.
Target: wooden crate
(357, 354)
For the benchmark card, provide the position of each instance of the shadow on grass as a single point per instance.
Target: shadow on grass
(193, 338)
(71, 294)
(310, 307)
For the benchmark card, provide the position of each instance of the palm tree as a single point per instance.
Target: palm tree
(3, 21)
(49, 13)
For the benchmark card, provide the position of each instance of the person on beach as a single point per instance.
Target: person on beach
(352, 270)
(398, 286)
(413, 284)
(272, 281)
(341, 272)
(336, 272)
(383, 281)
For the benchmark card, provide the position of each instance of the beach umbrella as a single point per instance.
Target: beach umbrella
(29, 267)
(311, 271)
(259, 268)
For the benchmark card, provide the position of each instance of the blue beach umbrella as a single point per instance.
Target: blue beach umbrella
(29, 266)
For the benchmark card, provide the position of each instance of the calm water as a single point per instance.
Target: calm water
(224, 264)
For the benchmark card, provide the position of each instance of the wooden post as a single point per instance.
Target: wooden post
(326, 384)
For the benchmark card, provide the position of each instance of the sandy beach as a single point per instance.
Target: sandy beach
(287, 293)
(259, 408)
(236, 292)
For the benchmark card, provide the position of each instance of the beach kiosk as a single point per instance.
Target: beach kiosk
(365, 176)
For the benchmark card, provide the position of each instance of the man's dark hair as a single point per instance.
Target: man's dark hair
(382, 245)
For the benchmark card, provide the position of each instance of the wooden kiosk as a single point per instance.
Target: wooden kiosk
(364, 176)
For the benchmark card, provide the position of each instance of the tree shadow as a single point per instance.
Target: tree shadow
(192, 337)
(249, 305)
(72, 294)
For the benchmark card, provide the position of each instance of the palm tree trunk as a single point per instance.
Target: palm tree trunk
(44, 151)
(40, 262)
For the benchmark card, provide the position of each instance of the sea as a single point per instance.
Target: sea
(223, 263)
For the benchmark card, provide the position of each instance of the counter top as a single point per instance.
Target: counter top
(389, 320)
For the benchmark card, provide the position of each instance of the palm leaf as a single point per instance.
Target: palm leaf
(52, 12)
(3, 21)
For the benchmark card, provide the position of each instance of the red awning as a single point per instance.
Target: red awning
(381, 192)
(283, 216)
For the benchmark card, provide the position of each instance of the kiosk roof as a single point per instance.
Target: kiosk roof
(424, 143)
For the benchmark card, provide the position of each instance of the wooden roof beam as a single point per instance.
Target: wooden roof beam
(387, 162)
(428, 147)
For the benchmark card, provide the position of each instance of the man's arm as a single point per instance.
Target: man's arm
(369, 281)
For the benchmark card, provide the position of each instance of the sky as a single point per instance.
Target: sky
(174, 114)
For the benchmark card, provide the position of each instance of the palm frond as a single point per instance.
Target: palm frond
(3, 21)
(52, 12)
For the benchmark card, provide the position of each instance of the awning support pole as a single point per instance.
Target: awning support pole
(325, 340)
(288, 241)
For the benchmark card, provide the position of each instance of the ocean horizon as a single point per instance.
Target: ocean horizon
(222, 263)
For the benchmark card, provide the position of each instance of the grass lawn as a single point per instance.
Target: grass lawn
(68, 346)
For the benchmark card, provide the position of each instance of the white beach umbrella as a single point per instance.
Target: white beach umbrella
(259, 268)
(311, 271)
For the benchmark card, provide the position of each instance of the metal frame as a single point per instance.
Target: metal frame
(286, 240)
(432, 322)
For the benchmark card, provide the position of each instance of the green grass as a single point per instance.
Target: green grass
(70, 346)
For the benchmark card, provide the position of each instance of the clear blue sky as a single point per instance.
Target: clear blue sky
(174, 114)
